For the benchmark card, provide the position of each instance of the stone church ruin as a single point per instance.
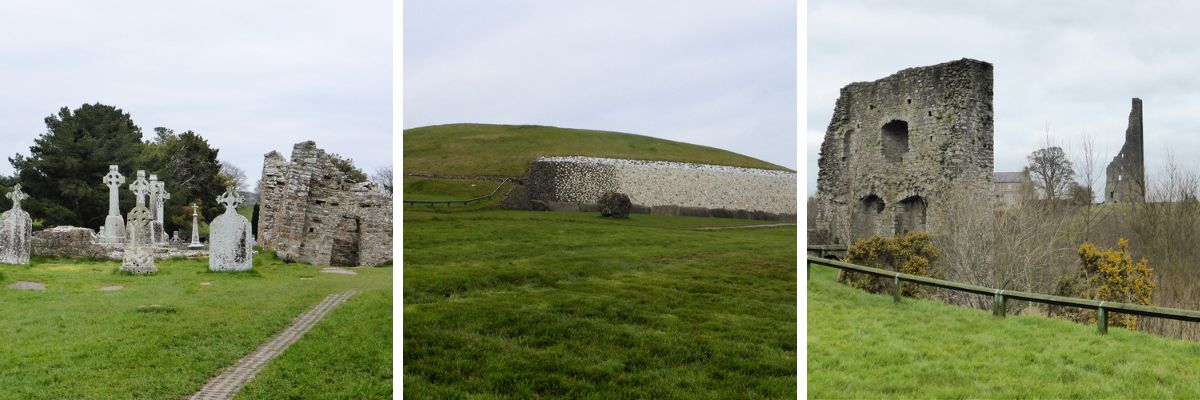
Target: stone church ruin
(1126, 175)
(895, 147)
(310, 213)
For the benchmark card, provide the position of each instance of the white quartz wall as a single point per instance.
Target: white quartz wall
(663, 183)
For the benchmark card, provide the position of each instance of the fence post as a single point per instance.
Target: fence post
(1101, 319)
(896, 284)
(998, 308)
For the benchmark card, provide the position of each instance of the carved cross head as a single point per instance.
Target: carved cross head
(194, 208)
(114, 177)
(231, 199)
(140, 186)
(16, 196)
(162, 191)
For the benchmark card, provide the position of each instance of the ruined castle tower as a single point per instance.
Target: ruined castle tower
(1126, 174)
(897, 146)
(309, 213)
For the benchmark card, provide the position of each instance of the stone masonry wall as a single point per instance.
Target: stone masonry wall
(1126, 174)
(664, 186)
(896, 146)
(309, 213)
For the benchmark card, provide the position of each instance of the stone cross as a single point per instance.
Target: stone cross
(152, 190)
(140, 187)
(16, 196)
(163, 196)
(113, 180)
(231, 199)
(195, 244)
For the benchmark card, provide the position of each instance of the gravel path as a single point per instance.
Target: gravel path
(227, 384)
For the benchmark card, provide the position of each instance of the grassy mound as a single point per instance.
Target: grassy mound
(863, 346)
(515, 304)
(164, 336)
(507, 150)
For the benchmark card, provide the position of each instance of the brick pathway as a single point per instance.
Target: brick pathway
(717, 228)
(225, 385)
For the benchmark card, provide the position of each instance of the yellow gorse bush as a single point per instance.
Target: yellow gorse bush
(911, 253)
(1111, 275)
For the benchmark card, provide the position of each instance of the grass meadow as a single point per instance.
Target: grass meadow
(507, 150)
(863, 346)
(163, 336)
(505, 304)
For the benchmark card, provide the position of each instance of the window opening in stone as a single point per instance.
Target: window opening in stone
(846, 145)
(867, 216)
(930, 113)
(911, 216)
(895, 140)
(871, 107)
(909, 101)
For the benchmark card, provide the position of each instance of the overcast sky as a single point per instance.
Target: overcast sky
(1070, 66)
(715, 73)
(250, 77)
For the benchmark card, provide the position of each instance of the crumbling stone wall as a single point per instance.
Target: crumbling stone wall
(896, 146)
(1126, 174)
(662, 187)
(308, 213)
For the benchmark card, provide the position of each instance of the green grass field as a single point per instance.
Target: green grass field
(72, 341)
(863, 346)
(507, 150)
(518, 304)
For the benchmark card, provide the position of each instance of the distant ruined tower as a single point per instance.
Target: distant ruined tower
(897, 148)
(1126, 174)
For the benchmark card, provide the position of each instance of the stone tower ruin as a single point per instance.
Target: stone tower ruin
(309, 213)
(896, 147)
(1126, 174)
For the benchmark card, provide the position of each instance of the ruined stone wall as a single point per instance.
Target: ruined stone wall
(651, 185)
(896, 146)
(1126, 174)
(270, 195)
(309, 213)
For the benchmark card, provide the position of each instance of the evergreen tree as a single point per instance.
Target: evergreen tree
(65, 166)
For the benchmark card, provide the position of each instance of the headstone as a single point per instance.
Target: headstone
(140, 188)
(195, 244)
(16, 231)
(156, 192)
(229, 243)
(139, 258)
(114, 226)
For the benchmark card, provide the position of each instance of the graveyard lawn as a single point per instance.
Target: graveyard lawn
(862, 346)
(521, 304)
(163, 336)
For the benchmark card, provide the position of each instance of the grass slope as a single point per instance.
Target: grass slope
(512, 304)
(507, 150)
(863, 346)
(72, 341)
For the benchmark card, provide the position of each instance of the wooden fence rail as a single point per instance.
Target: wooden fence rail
(1002, 296)
(463, 202)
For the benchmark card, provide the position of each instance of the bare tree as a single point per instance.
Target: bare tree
(383, 176)
(233, 176)
(1052, 172)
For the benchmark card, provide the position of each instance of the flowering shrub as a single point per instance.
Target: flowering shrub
(910, 253)
(1111, 275)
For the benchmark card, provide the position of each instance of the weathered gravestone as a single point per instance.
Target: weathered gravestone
(158, 195)
(16, 229)
(138, 256)
(140, 188)
(113, 230)
(615, 205)
(230, 247)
